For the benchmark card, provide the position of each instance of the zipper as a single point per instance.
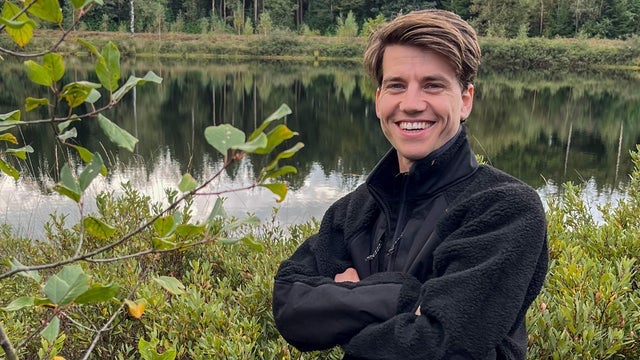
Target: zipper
(400, 224)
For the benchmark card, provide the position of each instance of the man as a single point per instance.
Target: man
(435, 256)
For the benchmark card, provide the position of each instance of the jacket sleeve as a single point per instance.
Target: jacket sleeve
(487, 271)
(311, 311)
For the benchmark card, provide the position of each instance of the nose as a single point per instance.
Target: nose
(413, 100)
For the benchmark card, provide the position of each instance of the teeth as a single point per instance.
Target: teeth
(416, 125)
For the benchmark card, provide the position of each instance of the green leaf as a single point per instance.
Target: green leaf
(135, 81)
(284, 155)
(68, 135)
(52, 330)
(187, 183)
(90, 172)
(251, 220)
(170, 284)
(164, 226)
(47, 10)
(216, 212)
(37, 73)
(65, 286)
(76, 93)
(280, 172)
(9, 170)
(11, 116)
(116, 134)
(67, 185)
(98, 228)
(33, 103)
(163, 243)
(98, 293)
(65, 124)
(53, 62)
(186, 230)
(275, 137)
(14, 264)
(251, 146)
(8, 137)
(9, 120)
(20, 152)
(108, 67)
(148, 351)
(87, 156)
(223, 137)
(253, 244)
(282, 111)
(94, 95)
(21, 28)
(90, 46)
(278, 189)
(20, 303)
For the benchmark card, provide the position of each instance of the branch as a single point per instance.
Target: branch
(54, 47)
(87, 256)
(9, 351)
(59, 120)
(153, 251)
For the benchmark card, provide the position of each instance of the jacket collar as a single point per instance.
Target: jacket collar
(452, 162)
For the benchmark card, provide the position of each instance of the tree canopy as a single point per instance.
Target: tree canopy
(613, 19)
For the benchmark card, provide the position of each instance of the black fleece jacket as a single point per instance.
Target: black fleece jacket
(465, 243)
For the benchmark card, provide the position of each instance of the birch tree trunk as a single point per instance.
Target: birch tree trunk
(131, 24)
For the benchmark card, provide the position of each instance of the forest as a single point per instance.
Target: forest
(609, 19)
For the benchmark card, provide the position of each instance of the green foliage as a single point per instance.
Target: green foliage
(248, 27)
(265, 25)
(347, 27)
(590, 305)
(371, 24)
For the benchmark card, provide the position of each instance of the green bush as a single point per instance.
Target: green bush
(589, 307)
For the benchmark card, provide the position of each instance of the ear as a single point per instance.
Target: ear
(467, 102)
(377, 101)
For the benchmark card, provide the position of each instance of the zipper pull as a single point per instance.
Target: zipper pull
(393, 246)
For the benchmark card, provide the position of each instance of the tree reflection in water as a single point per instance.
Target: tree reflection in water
(545, 130)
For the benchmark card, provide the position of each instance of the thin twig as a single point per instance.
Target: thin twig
(153, 251)
(54, 47)
(113, 317)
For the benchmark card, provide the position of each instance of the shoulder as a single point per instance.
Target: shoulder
(496, 196)
(492, 183)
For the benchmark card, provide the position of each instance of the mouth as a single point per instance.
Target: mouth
(415, 126)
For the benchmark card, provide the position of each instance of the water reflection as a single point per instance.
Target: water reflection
(544, 129)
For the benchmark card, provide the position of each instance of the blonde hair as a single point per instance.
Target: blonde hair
(440, 31)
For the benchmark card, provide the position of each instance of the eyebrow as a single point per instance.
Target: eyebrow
(428, 78)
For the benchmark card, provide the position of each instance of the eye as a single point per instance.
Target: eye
(433, 86)
(394, 86)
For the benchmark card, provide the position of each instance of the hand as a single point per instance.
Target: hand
(418, 311)
(350, 274)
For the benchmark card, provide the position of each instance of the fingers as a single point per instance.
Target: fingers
(350, 274)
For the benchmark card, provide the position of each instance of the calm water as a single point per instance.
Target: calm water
(545, 129)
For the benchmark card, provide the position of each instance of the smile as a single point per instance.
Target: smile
(415, 125)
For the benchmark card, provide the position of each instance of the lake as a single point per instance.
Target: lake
(545, 129)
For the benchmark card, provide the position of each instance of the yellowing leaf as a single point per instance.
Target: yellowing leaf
(57, 357)
(21, 28)
(135, 309)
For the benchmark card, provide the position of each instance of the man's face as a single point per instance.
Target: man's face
(420, 102)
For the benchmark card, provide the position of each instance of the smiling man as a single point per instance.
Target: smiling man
(435, 256)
